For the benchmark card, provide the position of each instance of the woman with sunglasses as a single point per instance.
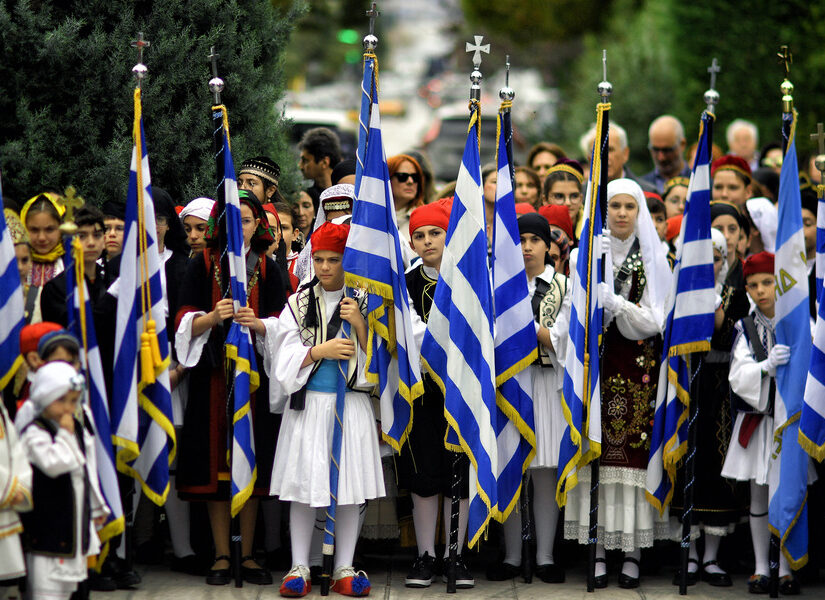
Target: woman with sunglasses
(405, 178)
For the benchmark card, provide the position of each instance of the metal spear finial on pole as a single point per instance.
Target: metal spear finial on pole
(819, 160)
(605, 88)
(786, 59)
(216, 84)
(506, 93)
(140, 70)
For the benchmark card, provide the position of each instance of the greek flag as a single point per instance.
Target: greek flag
(515, 337)
(81, 324)
(688, 329)
(812, 422)
(142, 404)
(788, 483)
(373, 261)
(11, 306)
(369, 96)
(458, 348)
(581, 391)
(240, 354)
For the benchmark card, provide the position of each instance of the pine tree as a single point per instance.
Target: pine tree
(66, 91)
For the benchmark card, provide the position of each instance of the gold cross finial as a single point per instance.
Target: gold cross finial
(71, 201)
(819, 136)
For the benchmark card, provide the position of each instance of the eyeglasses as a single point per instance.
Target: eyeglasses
(403, 177)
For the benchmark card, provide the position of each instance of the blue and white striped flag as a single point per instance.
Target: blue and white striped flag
(240, 353)
(142, 403)
(812, 422)
(11, 305)
(369, 96)
(788, 475)
(689, 327)
(373, 261)
(581, 391)
(81, 324)
(458, 348)
(515, 337)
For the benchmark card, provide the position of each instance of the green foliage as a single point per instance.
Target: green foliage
(66, 91)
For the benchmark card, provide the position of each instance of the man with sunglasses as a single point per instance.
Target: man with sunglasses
(666, 142)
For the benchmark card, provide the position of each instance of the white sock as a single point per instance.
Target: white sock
(271, 509)
(347, 529)
(693, 567)
(631, 569)
(601, 565)
(301, 524)
(760, 534)
(784, 567)
(463, 515)
(177, 512)
(711, 552)
(546, 513)
(425, 517)
(316, 557)
(512, 538)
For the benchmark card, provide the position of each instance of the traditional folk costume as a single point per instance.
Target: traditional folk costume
(718, 503)
(45, 267)
(203, 471)
(550, 301)
(754, 359)
(307, 396)
(631, 350)
(59, 533)
(15, 478)
(425, 466)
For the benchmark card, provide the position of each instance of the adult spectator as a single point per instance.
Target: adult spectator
(743, 140)
(618, 155)
(666, 143)
(320, 152)
(544, 155)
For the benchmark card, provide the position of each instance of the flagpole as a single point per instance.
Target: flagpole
(605, 89)
(788, 118)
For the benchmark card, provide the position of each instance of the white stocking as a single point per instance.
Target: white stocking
(545, 513)
(512, 539)
(601, 565)
(347, 528)
(631, 569)
(301, 524)
(760, 534)
(177, 512)
(425, 515)
(463, 515)
(692, 553)
(711, 552)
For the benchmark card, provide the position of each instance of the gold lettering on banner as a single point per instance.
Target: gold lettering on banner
(785, 282)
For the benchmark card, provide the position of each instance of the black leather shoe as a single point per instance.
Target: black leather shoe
(789, 585)
(502, 571)
(98, 582)
(601, 580)
(219, 576)
(758, 584)
(551, 573)
(626, 581)
(255, 575)
(716, 579)
(692, 576)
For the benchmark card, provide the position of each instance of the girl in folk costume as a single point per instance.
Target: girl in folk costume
(15, 497)
(302, 351)
(42, 216)
(59, 533)
(631, 349)
(551, 306)
(718, 503)
(195, 219)
(203, 323)
(563, 187)
(754, 359)
(425, 465)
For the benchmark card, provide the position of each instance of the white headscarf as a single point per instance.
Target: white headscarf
(765, 216)
(721, 244)
(657, 270)
(304, 270)
(199, 207)
(51, 381)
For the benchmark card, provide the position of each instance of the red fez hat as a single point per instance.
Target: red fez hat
(674, 225)
(330, 236)
(436, 214)
(558, 216)
(523, 208)
(759, 263)
(30, 335)
(731, 163)
(179, 209)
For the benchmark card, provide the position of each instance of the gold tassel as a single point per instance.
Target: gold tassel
(147, 369)
(153, 340)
